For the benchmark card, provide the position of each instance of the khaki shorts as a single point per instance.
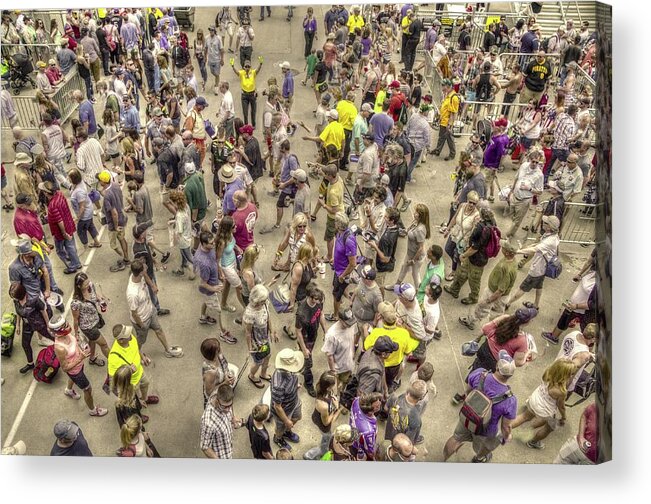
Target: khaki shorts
(231, 275)
(212, 302)
(149, 235)
(142, 332)
(330, 230)
(462, 434)
(115, 237)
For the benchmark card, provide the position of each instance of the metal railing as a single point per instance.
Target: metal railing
(578, 225)
(28, 111)
(36, 52)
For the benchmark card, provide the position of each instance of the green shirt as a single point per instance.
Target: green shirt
(430, 270)
(503, 276)
(195, 193)
(311, 64)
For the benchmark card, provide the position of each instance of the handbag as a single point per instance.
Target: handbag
(280, 296)
(554, 267)
(106, 386)
(100, 131)
(470, 348)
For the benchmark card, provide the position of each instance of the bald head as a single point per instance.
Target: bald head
(186, 135)
(403, 445)
(17, 131)
(240, 199)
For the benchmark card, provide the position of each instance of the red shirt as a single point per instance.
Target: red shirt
(512, 346)
(395, 105)
(27, 222)
(53, 74)
(58, 211)
(244, 224)
(591, 432)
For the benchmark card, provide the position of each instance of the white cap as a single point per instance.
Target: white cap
(285, 64)
(332, 114)
(385, 179)
(190, 168)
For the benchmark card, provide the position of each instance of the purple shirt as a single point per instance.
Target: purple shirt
(495, 151)
(405, 8)
(87, 114)
(381, 125)
(345, 247)
(288, 85)
(289, 164)
(430, 38)
(205, 263)
(229, 205)
(310, 26)
(492, 388)
(366, 427)
(366, 46)
(129, 35)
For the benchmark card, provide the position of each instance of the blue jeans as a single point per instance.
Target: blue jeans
(83, 228)
(413, 163)
(67, 252)
(186, 257)
(153, 296)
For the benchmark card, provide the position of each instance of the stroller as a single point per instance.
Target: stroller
(20, 70)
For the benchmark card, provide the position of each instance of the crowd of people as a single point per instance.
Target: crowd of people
(143, 120)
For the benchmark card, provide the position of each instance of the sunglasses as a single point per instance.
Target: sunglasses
(247, 67)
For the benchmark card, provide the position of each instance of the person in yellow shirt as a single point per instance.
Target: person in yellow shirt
(333, 134)
(404, 25)
(354, 21)
(126, 352)
(399, 335)
(449, 111)
(347, 113)
(247, 83)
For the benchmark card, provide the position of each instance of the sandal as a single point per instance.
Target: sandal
(229, 309)
(97, 361)
(266, 378)
(257, 383)
(313, 218)
(289, 334)
(92, 245)
(145, 361)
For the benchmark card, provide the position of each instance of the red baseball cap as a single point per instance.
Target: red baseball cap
(247, 128)
(501, 123)
(394, 84)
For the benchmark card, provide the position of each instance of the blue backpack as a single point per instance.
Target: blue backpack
(554, 266)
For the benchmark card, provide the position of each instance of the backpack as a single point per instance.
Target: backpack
(493, 246)
(181, 56)
(477, 408)
(109, 38)
(403, 115)
(554, 266)
(8, 332)
(484, 89)
(183, 40)
(585, 383)
(46, 366)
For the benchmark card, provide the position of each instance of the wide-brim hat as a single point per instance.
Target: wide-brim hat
(226, 174)
(290, 360)
(552, 221)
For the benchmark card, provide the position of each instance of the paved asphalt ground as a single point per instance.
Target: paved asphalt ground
(175, 423)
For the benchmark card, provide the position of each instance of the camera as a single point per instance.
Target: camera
(366, 235)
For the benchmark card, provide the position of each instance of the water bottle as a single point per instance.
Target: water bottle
(322, 269)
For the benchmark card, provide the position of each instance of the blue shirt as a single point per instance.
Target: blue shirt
(289, 164)
(129, 35)
(87, 115)
(529, 43)
(131, 118)
(229, 205)
(329, 20)
(28, 276)
(381, 124)
(288, 85)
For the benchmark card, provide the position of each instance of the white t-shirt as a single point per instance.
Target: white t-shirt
(242, 172)
(139, 300)
(227, 107)
(583, 290)
(120, 89)
(340, 343)
(545, 249)
(245, 35)
(571, 346)
(432, 316)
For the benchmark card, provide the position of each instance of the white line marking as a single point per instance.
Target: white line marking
(30, 392)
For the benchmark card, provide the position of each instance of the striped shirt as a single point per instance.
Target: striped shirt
(418, 131)
(564, 131)
(89, 160)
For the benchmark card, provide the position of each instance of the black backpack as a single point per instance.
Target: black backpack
(181, 56)
(484, 88)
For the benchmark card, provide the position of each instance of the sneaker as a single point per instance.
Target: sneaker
(98, 411)
(71, 393)
(178, 272)
(465, 322)
(331, 317)
(311, 391)
(437, 335)
(226, 337)
(405, 205)
(536, 445)
(448, 289)
(166, 257)
(458, 399)
(468, 301)
(207, 320)
(549, 337)
(119, 266)
(282, 443)
(163, 311)
(389, 288)
(491, 198)
(482, 460)
(174, 351)
(26, 368)
(291, 436)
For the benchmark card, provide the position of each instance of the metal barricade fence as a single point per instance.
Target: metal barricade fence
(27, 109)
(36, 52)
(578, 225)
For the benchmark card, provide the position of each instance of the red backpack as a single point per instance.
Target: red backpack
(493, 246)
(47, 365)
